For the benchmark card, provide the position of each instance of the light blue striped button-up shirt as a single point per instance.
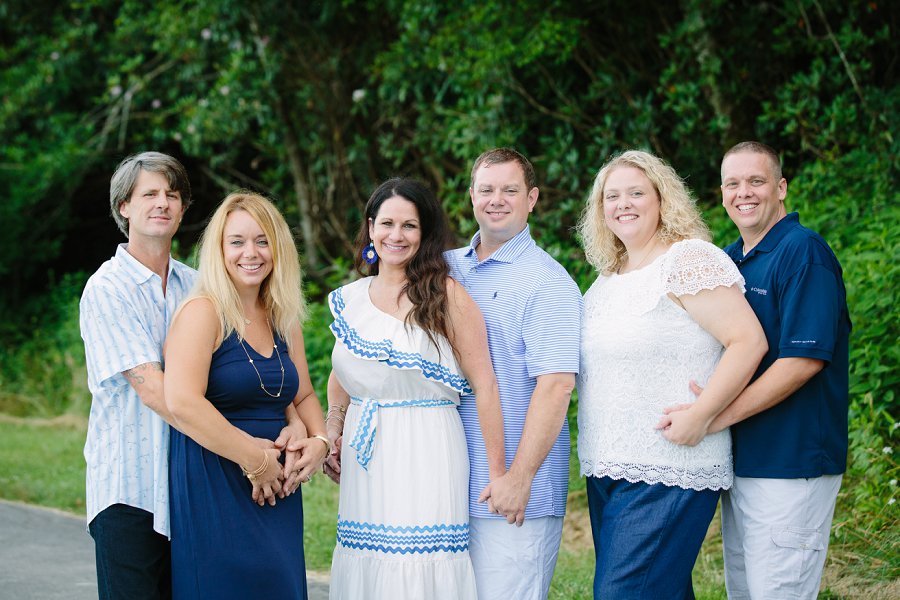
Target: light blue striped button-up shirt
(124, 319)
(532, 310)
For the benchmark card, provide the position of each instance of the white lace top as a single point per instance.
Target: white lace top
(639, 351)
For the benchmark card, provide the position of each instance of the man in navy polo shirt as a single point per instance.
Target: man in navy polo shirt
(789, 426)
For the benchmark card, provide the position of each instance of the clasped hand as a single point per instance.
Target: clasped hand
(332, 466)
(682, 425)
(303, 456)
(267, 485)
(308, 454)
(508, 496)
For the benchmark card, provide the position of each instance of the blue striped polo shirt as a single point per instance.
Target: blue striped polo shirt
(532, 310)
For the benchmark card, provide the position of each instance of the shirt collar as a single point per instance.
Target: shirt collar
(772, 237)
(137, 270)
(509, 251)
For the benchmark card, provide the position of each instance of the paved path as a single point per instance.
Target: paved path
(47, 554)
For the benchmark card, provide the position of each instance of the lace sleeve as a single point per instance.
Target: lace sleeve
(695, 265)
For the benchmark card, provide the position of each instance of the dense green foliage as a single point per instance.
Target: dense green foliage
(314, 103)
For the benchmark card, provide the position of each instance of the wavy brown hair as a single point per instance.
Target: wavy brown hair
(427, 271)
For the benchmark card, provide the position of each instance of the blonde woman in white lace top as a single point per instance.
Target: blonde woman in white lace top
(666, 310)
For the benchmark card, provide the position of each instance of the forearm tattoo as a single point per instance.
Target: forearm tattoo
(136, 375)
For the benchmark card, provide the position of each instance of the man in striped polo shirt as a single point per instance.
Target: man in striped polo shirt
(532, 310)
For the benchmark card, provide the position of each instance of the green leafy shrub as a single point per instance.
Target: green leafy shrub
(42, 367)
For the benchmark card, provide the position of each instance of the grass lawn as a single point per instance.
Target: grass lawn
(41, 463)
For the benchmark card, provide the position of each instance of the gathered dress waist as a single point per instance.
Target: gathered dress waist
(364, 439)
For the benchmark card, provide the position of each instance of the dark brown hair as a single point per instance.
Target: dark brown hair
(427, 271)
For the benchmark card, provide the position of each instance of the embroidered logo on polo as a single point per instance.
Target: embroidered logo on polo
(398, 539)
(760, 291)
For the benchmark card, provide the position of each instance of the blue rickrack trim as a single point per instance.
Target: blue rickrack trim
(337, 301)
(408, 550)
(403, 539)
(364, 439)
(381, 538)
(404, 528)
(426, 402)
(384, 350)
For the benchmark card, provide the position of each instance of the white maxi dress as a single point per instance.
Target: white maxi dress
(403, 517)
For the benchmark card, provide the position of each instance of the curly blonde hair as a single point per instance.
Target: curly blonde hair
(280, 291)
(679, 218)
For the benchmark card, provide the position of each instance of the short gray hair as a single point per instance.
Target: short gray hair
(124, 179)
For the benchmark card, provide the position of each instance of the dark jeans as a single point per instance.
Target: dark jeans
(646, 537)
(133, 561)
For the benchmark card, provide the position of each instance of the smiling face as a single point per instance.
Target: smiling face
(396, 232)
(153, 210)
(245, 248)
(631, 206)
(501, 201)
(752, 195)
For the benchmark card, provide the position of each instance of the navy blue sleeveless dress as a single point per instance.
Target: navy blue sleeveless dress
(223, 544)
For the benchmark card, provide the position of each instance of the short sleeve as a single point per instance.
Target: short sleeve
(812, 302)
(694, 265)
(116, 337)
(551, 328)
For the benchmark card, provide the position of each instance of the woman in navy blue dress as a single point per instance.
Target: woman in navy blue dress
(238, 387)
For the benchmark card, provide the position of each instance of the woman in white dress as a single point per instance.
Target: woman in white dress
(409, 340)
(666, 312)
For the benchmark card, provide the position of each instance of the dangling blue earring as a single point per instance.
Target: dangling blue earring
(369, 255)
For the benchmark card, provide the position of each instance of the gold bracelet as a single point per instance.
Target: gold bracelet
(335, 411)
(333, 419)
(252, 475)
(327, 443)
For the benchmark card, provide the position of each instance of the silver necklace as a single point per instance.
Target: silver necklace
(280, 363)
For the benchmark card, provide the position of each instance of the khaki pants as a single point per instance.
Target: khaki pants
(775, 536)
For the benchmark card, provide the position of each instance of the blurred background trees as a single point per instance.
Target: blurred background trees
(314, 103)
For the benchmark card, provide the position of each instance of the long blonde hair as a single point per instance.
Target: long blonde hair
(679, 218)
(280, 291)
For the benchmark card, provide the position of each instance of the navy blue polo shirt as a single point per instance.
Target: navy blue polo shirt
(795, 286)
